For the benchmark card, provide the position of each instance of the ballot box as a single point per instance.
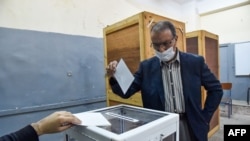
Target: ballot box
(129, 123)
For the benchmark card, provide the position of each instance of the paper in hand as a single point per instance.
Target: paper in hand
(92, 119)
(123, 76)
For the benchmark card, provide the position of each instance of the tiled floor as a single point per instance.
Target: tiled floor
(241, 115)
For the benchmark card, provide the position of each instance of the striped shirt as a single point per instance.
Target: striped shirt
(171, 74)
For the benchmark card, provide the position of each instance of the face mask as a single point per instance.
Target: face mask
(166, 55)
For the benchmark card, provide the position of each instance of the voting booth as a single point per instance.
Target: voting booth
(129, 123)
(130, 39)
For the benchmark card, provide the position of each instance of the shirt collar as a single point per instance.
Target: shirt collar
(177, 57)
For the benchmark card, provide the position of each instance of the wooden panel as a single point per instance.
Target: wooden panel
(133, 100)
(206, 44)
(124, 44)
(214, 123)
(192, 45)
(212, 55)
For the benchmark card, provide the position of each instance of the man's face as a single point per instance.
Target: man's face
(163, 40)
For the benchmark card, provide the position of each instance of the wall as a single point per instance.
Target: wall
(89, 17)
(229, 19)
(40, 65)
(77, 17)
(190, 16)
(240, 84)
(231, 25)
(42, 72)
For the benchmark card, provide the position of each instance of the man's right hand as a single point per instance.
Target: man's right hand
(111, 68)
(55, 122)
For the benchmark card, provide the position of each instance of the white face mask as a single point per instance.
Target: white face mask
(165, 55)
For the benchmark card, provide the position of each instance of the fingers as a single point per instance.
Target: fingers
(56, 122)
(69, 119)
(62, 128)
(111, 68)
(66, 118)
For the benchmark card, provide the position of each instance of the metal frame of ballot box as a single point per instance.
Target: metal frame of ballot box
(129, 123)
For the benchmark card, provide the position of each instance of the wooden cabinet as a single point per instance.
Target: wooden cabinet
(130, 39)
(206, 44)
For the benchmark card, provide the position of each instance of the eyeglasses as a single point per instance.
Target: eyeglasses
(165, 44)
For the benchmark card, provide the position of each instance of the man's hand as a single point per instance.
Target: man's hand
(111, 68)
(56, 122)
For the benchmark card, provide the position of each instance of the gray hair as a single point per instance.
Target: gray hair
(163, 25)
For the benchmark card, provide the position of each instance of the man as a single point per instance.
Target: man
(55, 122)
(171, 81)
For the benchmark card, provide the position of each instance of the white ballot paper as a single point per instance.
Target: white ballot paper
(92, 119)
(123, 76)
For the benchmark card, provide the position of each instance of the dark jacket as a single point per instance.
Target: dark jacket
(25, 134)
(194, 73)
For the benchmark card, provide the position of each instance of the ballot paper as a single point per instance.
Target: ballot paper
(123, 76)
(92, 119)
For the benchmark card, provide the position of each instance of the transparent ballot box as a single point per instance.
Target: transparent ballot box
(129, 123)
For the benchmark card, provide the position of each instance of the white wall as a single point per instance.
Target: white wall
(77, 17)
(231, 25)
(229, 19)
(190, 16)
(89, 17)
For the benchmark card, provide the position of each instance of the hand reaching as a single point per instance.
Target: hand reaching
(55, 122)
(111, 68)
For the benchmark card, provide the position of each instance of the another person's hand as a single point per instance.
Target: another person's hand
(55, 122)
(111, 68)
